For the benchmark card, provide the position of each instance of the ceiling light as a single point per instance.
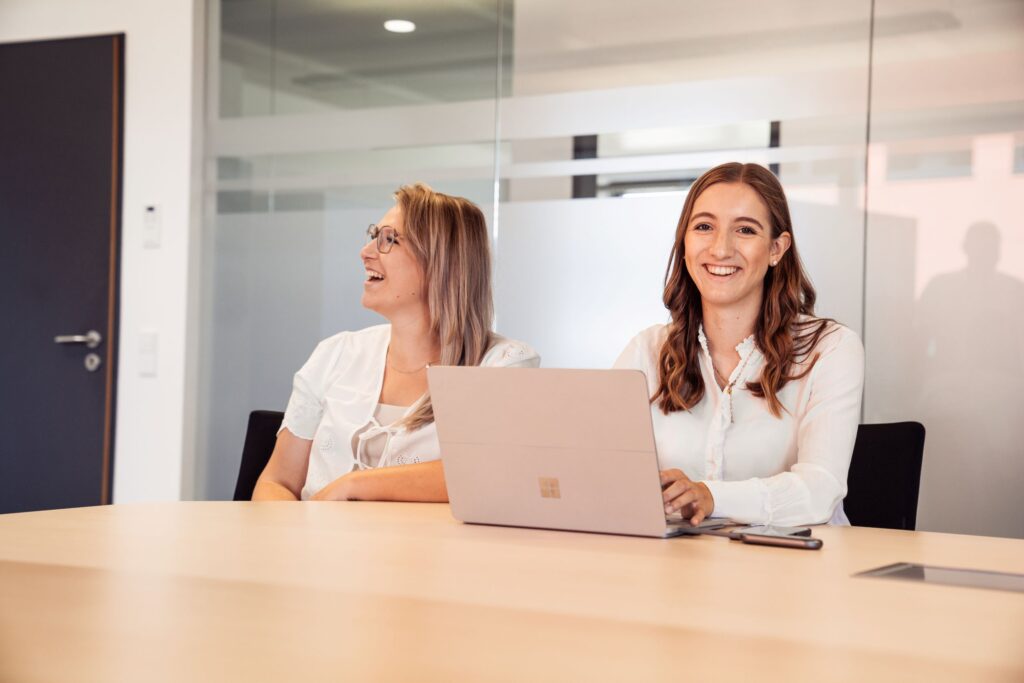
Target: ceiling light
(399, 26)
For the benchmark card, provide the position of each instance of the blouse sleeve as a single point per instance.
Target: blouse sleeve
(812, 488)
(508, 353)
(305, 406)
(641, 353)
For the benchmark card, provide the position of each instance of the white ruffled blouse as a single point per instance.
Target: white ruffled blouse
(336, 394)
(761, 469)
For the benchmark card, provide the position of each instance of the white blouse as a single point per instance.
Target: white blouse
(369, 445)
(761, 469)
(336, 393)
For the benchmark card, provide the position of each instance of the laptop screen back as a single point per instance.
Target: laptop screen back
(549, 448)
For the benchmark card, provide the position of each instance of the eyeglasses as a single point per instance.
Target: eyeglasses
(385, 235)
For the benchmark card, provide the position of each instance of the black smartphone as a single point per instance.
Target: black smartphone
(804, 542)
(770, 531)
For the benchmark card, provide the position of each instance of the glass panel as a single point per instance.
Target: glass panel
(323, 114)
(605, 112)
(246, 68)
(304, 56)
(615, 109)
(945, 252)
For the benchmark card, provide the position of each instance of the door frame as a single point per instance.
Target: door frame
(114, 270)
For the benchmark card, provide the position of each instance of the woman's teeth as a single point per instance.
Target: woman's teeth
(721, 270)
(373, 275)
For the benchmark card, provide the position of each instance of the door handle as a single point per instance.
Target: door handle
(91, 339)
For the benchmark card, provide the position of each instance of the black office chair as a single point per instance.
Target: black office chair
(885, 476)
(260, 437)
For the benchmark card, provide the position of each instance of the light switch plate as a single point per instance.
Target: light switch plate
(148, 356)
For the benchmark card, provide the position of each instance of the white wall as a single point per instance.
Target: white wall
(162, 109)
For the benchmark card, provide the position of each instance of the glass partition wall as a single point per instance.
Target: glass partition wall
(945, 258)
(578, 127)
(316, 115)
(615, 108)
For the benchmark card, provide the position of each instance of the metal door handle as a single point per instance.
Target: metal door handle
(91, 339)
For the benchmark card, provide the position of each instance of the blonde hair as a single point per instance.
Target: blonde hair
(448, 237)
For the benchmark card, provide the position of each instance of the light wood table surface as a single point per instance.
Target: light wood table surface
(379, 591)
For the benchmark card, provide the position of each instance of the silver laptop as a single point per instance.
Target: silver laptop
(552, 449)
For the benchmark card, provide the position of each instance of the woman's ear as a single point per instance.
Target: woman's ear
(780, 245)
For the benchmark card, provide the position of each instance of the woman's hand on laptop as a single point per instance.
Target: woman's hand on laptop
(692, 498)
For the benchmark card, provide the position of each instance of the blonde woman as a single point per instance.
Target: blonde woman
(359, 424)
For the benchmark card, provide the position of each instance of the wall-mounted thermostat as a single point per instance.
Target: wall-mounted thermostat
(151, 227)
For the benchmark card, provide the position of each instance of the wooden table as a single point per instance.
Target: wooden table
(378, 591)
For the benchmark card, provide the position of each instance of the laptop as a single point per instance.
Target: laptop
(551, 449)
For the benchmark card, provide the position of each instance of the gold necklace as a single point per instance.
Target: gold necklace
(738, 372)
(726, 384)
(409, 372)
(718, 375)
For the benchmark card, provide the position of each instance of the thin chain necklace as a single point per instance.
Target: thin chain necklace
(725, 383)
(738, 372)
(409, 372)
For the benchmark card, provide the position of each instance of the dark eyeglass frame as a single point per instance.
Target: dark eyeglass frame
(385, 235)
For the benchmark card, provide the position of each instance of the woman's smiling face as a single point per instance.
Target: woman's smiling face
(728, 245)
(394, 280)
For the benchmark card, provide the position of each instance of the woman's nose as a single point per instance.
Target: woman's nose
(721, 247)
(369, 250)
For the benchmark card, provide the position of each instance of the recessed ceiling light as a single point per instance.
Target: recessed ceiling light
(399, 26)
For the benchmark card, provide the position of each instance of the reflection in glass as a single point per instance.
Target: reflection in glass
(945, 256)
(281, 57)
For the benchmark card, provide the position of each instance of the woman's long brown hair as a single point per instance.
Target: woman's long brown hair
(448, 237)
(780, 334)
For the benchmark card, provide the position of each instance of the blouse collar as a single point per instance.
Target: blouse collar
(743, 348)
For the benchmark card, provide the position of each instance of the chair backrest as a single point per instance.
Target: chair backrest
(260, 437)
(885, 475)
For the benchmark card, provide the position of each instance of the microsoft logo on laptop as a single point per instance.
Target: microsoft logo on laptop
(549, 487)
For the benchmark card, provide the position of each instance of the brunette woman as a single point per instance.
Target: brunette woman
(755, 400)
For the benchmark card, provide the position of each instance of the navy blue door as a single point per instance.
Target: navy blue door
(61, 119)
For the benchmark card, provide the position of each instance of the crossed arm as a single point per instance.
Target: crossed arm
(285, 475)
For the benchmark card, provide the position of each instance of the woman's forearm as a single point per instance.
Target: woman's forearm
(267, 489)
(419, 483)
